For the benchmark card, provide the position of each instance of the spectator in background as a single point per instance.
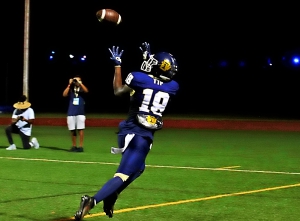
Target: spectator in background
(76, 111)
(22, 120)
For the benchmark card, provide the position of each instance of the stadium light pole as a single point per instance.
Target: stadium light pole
(26, 47)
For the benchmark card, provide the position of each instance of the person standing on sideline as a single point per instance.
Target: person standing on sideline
(76, 111)
(22, 120)
(150, 91)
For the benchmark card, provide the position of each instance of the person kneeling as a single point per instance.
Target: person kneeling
(22, 120)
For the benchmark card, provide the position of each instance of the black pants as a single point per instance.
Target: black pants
(14, 129)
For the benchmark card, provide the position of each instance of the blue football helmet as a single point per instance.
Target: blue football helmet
(161, 65)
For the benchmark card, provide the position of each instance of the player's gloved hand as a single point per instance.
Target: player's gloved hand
(116, 55)
(145, 48)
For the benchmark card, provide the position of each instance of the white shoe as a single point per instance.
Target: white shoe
(35, 142)
(11, 147)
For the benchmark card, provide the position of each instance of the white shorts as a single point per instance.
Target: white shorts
(76, 122)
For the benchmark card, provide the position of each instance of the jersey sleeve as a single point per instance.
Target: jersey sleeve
(173, 88)
(14, 115)
(31, 114)
(134, 80)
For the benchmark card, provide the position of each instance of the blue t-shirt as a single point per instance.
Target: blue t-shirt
(76, 103)
(150, 96)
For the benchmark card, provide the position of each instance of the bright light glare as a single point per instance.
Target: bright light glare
(296, 60)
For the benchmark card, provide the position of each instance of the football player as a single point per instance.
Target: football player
(150, 91)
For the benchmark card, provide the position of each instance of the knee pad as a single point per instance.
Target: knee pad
(74, 133)
(123, 176)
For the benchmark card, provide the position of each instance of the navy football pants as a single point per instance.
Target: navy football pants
(133, 158)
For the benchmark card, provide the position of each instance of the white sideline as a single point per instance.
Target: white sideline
(154, 166)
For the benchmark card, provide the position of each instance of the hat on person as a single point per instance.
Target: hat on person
(22, 103)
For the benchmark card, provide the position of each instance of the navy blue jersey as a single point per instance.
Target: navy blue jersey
(150, 97)
(76, 103)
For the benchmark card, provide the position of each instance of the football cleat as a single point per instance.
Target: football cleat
(86, 204)
(108, 204)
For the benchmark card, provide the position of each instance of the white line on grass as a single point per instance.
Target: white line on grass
(189, 201)
(153, 166)
(229, 167)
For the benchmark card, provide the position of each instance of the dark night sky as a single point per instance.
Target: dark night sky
(199, 35)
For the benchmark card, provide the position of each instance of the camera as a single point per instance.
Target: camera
(75, 81)
(21, 117)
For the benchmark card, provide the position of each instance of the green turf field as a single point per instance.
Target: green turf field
(201, 175)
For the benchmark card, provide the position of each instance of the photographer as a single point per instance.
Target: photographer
(22, 120)
(76, 111)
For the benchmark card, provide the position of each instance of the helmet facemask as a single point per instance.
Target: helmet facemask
(147, 65)
(161, 65)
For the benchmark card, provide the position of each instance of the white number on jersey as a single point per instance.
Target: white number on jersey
(158, 82)
(129, 78)
(159, 101)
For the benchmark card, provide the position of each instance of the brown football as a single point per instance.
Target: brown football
(109, 15)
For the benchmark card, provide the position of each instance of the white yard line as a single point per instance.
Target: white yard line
(227, 168)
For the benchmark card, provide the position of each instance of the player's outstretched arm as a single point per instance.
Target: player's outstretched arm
(118, 86)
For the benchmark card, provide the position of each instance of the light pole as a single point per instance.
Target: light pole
(26, 48)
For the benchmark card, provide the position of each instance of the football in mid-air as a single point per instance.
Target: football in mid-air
(109, 15)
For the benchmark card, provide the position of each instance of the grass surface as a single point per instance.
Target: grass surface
(190, 175)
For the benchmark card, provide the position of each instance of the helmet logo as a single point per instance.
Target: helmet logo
(165, 65)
